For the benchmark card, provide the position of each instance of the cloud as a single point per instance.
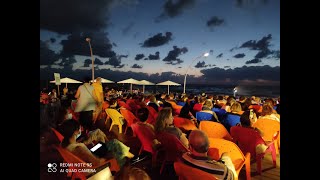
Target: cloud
(247, 4)
(173, 8)
(211, 51)
(226, 66)
(67, 61)
(172, 57)
(73, 15)
(262, 46)
(98, 62)
(127, 28)
(276, 54)
(52, 40)
(157, 40)
(220, 55)
(145, 59)
(47, 56)
(87, 63)
(115, 61)
(154, 57)
(200, 65)
(76, 44)
(241, 73)
(136, 66)
(139, 56)
(114, 44)
(253, 61)
(240, 55)
(214, 22)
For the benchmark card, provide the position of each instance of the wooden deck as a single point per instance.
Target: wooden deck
(49, 155)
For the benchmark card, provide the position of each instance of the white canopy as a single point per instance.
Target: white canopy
(129, 81)
(103, 80)
(67, 80)
(145, 82)
(169, 83)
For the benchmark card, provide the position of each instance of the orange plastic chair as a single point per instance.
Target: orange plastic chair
(186, 172)
(215, 130)
(68, 157)
(115, 117)
(183, 123)
(247, 139)
(146, 137)
(172, 147)
(270, 129)
(219, 146)
(58, 134)
(129, 117)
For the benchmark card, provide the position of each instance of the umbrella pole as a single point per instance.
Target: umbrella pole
(168, 89)
(143, 88)
(58, 90)
(131, 88)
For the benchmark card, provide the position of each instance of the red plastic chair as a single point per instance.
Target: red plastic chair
(183, 123)
(152, 115)
(68, 157)
(58, 134)
(146, 137)
(172, 147)
(247, 139)
(124, 105)
(129, 117)
(186, 172)
(215, 130)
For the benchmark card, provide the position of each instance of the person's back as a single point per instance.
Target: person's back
(198, 158)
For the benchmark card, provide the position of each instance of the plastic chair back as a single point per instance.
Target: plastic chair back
(186, 172)
(124, 105)
(215, 130)
(145, 136)
(129, 117)
(230, 120)
(115, 116)
(219, 146)
(152, 115)
(269, 127)
(220, 112)
(172, 146)
(201, 116)
(58, 134)
(183, 123)
(69, 157)
(247, 139)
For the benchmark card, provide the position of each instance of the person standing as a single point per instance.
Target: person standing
(86, 103)
(98, 91)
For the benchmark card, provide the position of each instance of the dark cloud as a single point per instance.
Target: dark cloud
(214, 22)
(115, 61)
(47, 56)
(114, 44)
(200, 65)
(179, 67)
(139, 56)
(157, 40)
(226, 66)
(76, 44)
(73, 15)
(145, 59)
(127, 28)
(244, 72)
(211, 51)
(220, 55)
(253, 61)
(262, 46)
(173, 54)
(240, 55)
(136, 66)
(246, 3)
(123, 56)
(154, 57)
(232, 49)
(173, 8)
(52, 40)
(276, 54)
(67, 61)
(98, 62)
(87, 63)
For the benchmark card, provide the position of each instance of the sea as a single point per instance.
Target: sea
(272, 91)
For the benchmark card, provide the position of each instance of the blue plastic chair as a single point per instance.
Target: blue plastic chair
(201, 116)
(230, 120)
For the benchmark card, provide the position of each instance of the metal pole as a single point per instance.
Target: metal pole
(88, 40)
(185, 76)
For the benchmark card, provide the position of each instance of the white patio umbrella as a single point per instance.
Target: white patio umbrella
(169, 83)
(67, 80)
(145, 82)
(129, 81)
(103, 80)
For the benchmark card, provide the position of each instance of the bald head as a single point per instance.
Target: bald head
(198, 141)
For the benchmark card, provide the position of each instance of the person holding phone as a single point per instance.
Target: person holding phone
(71, 130)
